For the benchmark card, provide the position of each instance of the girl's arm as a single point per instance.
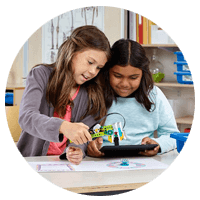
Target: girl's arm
(89, 121)
(34, 99)
(166, 143)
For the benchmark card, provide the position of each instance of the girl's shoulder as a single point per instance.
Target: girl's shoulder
(157, 94)
(156, 91)
(40, 72)
(42, 69)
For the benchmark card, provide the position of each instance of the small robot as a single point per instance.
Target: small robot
(124, 162)
(114, 132)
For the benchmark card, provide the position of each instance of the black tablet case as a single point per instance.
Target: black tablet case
(126, 150)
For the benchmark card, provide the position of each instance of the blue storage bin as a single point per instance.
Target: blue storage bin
(180, 56)
(9, 98)
(180, 139)
(182, 66)
(184, 77)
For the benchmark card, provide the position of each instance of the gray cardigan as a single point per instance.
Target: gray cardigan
(39, 127)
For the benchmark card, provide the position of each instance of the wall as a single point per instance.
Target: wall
(181, 99)
(112, 29)
(16, 71)
(35, 49)
(112, 24)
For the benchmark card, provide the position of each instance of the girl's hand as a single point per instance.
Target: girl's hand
(93, 148)
(76, 132)
(74, 155)
(153, 152)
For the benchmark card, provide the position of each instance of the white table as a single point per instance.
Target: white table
(89, 182)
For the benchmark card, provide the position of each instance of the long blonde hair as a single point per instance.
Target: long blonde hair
(61, 80)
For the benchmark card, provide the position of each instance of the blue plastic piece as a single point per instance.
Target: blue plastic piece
(179, 55)
(125, 162)
(183, 73)
(180, 139)
(120, 132)
(183, 76)
(181, 64)
(9, 98)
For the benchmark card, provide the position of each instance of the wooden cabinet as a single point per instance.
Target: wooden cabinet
(12, 114)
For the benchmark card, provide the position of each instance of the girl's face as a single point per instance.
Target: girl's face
(87, 64)
(125, 80)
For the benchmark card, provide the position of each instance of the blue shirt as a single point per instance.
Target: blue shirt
(141, 123)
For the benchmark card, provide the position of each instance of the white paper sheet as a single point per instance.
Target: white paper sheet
(133, 164)
(59, 166)
(98, 166)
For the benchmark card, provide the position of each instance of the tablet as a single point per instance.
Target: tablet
(126, 150)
